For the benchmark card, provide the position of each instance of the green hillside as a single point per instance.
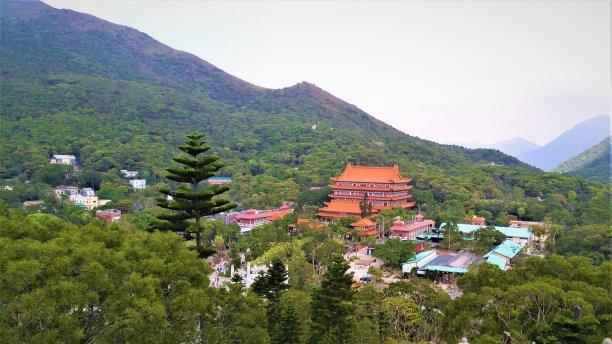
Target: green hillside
(116, 98)
(594, 163)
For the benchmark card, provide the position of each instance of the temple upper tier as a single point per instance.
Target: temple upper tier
(385, 186)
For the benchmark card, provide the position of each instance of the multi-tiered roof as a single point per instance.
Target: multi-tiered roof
(385, 186)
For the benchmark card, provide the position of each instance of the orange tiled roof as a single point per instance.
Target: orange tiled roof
(369, 188)
(367, 232)
(363, 222)
(341, 207)
(373, 174)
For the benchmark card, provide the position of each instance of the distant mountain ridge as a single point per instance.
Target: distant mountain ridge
(571, 143)
(515, 147)
(595, 163)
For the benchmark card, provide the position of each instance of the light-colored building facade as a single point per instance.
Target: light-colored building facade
(138, 183)
(88, 202)
(63, 159)
(65, 190)
(410, 230)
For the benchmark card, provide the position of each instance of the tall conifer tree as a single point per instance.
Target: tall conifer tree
(332, 308)
(365, 206)
(193, 199)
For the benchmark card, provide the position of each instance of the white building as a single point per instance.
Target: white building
(129, 174)
(138, 183)
(65, 190)
(63, 159)
(88, 192)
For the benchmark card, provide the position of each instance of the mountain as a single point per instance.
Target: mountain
(570, 143)
(515, 147)
(594, 163)
(71, 83)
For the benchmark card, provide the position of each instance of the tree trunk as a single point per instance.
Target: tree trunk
(199, 242)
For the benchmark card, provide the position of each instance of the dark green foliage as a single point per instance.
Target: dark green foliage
(271, 283)
(594, 163)
(61, 283)
(289, 327)
(332, 308)
(594, 241)
(194, 201)
(486, 238)
(394, 252)
(365, 206)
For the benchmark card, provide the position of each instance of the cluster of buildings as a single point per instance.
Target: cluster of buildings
(85, 197)
(249, 219)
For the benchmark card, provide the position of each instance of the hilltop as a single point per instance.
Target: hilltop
(570, 143)
(594, 163)
(116, 98)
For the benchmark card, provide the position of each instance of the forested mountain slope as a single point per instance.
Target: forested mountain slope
(594, 163)
(116, 98)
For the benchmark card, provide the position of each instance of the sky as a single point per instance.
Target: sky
(446, 71)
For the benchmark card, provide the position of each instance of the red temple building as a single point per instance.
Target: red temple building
(385, 187)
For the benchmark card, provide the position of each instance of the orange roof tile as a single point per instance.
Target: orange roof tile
(363, 222)
(373, 174)
(342, 207)
(367, 232)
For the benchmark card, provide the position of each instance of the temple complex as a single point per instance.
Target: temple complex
(385, 187)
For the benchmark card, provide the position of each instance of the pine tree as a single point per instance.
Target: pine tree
(269, 285)
(331, 311)
(289, 328)
(365, 206)
(192, 200)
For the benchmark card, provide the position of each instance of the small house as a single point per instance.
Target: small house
(138, 183)
(62, 159)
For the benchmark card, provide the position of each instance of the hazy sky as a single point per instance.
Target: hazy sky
(448, 71)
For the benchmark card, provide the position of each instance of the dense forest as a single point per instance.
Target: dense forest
(115, 283)
(117, 99)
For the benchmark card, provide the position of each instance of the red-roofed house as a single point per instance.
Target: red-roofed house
(253, 218)
(385, 187)
(410, 230)
(109, 215)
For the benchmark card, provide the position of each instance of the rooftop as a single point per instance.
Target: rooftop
(363, 222)
(410, 226)
(420, 256)
(507, 249)
(373, 174)
(519, 232)
(341, 207)
(498, 261)
(63, 156)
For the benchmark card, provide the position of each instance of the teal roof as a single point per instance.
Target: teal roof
(519, 232)
(447, 269)
(498, 261)
(508, 249)
(419, 256)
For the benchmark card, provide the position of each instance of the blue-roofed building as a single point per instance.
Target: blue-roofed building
(419, 260)
(447, 265)
(518, 235)
(503, 254)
